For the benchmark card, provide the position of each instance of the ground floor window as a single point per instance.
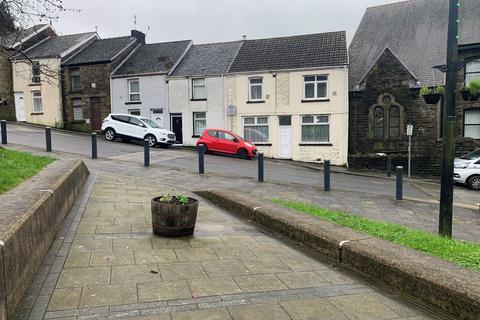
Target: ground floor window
(255, 129)
(199, 123)
(134, 112)
(77, 106)
(316, 128)
(37, 101)
(472, 123)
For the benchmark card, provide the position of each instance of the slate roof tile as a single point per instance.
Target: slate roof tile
(101, 50)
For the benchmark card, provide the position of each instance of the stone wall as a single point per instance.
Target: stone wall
(7, 106)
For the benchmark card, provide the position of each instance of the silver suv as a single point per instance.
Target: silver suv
(127, 126)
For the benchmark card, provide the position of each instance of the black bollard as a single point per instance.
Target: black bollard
(201, 160)
(4, 131)
(48, 138)
(94, 145)
(261, 172)
(146, 153)
(389, 167)
(326, 175)
(399, 193)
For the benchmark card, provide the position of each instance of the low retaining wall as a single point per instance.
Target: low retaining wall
(30, 216)
(438, 282)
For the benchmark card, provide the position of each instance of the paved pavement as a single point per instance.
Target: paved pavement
(106, 264)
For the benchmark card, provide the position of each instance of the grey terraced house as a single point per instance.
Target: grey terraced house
(392, 55)
(197, 90)
(86, 80)
(139, 85)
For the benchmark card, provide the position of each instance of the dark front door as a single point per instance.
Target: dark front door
(176, 121)
(95, 114)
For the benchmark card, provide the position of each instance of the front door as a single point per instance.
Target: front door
(157, 116)
(19, 106)
(176, 125)
(95, 114)
(285, 135)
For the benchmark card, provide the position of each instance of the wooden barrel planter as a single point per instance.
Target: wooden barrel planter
(174, 219)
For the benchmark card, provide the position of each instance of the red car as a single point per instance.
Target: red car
(224, 141)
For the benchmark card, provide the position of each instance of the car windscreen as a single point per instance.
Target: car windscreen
(472, 155)
(151, 123)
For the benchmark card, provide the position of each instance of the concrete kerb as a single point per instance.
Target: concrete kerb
(39, 126)
(438, 282)
(32, 214)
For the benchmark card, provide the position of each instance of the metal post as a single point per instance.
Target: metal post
(94, 145)
(146, 153)
(399, 191)
(4, 131)
(48, 139)
(448, 141)
(201, 159)
(409, 156)
(389, 167)
(326, 175)
(261, 172)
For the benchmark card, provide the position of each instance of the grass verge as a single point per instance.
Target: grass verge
(16, 167)
(462, 253)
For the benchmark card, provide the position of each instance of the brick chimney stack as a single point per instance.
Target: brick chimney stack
(140, 36)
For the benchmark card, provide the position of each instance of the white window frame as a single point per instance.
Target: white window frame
(77, 106)
(256, 124)
(130, 92)
(476, 74)
(195, 119)
(204, 85)
(315, 85)
(469, 124)
(250, 85)
(39, 98)
(315, 123)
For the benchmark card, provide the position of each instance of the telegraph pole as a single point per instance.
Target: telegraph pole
(448, 141)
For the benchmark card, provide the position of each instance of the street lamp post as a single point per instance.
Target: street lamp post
(448, 141)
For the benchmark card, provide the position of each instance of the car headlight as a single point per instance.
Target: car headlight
(461, 166)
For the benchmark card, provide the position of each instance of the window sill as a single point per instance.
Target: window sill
(133, 102)
(326, 144)
(256, 101)
(196, 136)
(36, 113)
(262, 144)
(198, 99)
(315, 100)
(35, 84)
(76, 91)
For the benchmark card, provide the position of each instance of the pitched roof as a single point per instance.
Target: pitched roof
(297, 52)
(101, 50)
(10, 40)
(54, 46)
(153, 58)
(207, 59)
(416, 32)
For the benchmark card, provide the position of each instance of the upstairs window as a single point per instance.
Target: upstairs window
(133, 90)
(472, 123)
(316, 128)
(378, 123)
(255, 89)
(37, 101)
(198, 89)
(75, 79)
(315, 87)
(36, 72)
(199, 123)
(255, 129)
(472, 71)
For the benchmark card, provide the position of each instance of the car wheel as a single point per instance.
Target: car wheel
(242, 154)
(474, 183)
(152, 141)
(110, 134)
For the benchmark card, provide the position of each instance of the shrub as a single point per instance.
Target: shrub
(425, 90)
(474, 87)
(440, 90)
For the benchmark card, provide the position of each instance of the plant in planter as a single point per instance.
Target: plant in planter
(432, 96)
(474, 87)
(174, 215)
(465, 92)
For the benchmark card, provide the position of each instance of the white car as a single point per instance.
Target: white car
(128, 126)
(467, 170)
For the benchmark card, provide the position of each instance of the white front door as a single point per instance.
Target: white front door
(285, 136)
(20, 106)
(157, 116)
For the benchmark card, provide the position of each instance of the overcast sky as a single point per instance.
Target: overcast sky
(206, 21)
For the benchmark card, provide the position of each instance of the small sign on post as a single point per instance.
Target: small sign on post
(409, 134)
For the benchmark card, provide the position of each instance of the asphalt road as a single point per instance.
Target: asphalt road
(187, 159)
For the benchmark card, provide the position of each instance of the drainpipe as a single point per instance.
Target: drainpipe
(225, 120)
(346, 113)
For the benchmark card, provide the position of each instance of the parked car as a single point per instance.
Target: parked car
(224, 141)
(467, 170)
(128, 127)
